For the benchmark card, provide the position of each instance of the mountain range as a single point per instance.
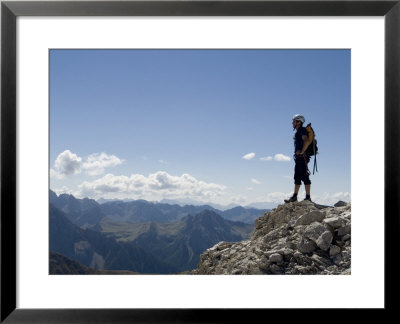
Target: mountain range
(138, 236)
(179, 242)
(95, 250)
(87, 212)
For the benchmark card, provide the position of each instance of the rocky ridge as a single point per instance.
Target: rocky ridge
(294, 238)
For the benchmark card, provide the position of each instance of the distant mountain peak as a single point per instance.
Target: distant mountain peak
(207, 213)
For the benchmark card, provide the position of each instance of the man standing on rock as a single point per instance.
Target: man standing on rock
(301, 172)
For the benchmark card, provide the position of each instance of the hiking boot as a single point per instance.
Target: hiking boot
(307, 199)
(291, 199)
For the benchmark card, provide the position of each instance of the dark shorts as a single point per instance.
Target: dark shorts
(301, 172)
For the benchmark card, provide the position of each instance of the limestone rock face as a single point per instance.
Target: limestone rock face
(294, 238)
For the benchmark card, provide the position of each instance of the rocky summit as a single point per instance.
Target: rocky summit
(294, 238)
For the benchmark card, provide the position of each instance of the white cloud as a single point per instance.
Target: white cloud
(331, 199)
(97, 163)
(277, 157)
(63, 190)
(56, 175)
(249, 156)
(276, 197)
(68, 164)
(155, 186)
(255, 181)
(281, 157)
(239, 200)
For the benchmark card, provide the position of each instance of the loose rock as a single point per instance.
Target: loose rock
(276, 258)
(294, 238)
(334, 249)
(306, 219)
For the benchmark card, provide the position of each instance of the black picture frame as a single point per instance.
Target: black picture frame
(10, 10)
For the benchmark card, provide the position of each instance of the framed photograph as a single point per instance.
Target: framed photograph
(158, 131)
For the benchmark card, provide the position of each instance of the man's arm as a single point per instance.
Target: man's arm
(305, 143)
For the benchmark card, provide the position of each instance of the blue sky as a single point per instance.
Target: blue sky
(197, 125)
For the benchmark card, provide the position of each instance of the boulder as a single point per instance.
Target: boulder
(306, 246)
(307, 219)
(335, 222)
(344, 230)
(334, 249)
(276, 258)
(324, 240)
(314, 231)
(340, 203)
(346, 237)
